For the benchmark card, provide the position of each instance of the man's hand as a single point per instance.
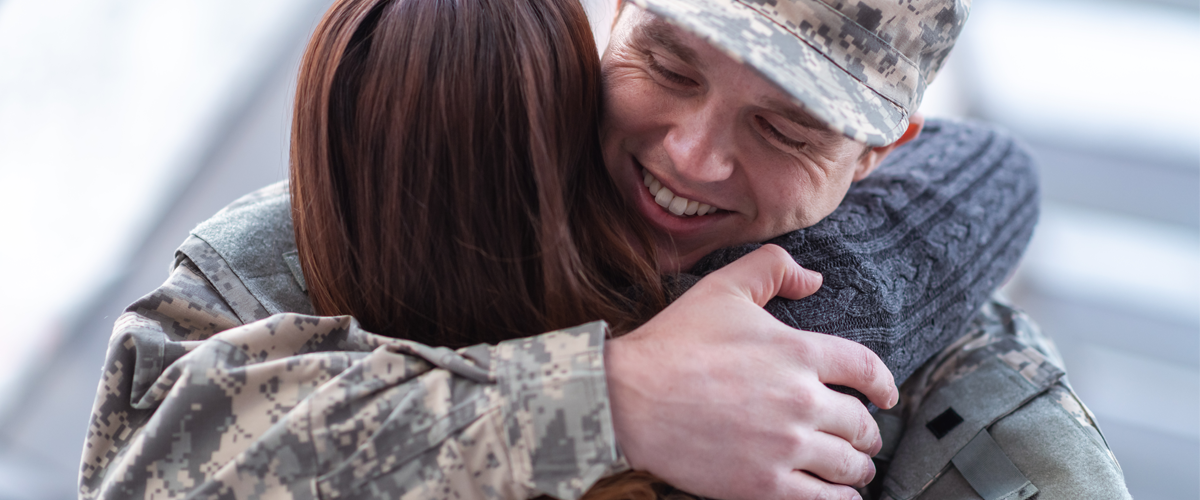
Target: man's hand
(717, 397)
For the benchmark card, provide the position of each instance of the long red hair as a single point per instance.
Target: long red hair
(446, 177)
(447, 184)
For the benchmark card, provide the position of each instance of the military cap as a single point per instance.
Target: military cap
(860, 66)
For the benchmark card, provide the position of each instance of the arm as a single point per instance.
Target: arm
(311, 406)
(304, 406)
(917, 247)
(705, 332)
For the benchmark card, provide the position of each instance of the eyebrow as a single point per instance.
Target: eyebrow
(666, 35)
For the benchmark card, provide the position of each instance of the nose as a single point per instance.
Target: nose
(700, 143)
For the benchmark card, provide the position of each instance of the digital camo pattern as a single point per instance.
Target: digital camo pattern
(201, 257)
(860, 66)
(297, 406)
(996, 331)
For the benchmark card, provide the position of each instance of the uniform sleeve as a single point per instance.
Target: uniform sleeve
(297, 406)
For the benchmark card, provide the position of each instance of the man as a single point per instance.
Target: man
(769, 124)
(760, 114)
(768, 155)
(713, 394)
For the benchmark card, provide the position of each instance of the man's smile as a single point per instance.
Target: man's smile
(673, 203)
(655, 202)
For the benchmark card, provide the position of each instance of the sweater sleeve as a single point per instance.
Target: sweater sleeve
(297, 406)
(915, 248)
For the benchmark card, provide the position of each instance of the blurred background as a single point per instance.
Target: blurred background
(123, 123)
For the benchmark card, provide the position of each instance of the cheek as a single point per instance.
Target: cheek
(796, 197)
(784, 199)
(828, 195)
(631, 108)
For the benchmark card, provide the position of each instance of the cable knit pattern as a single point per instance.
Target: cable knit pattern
(919, 247)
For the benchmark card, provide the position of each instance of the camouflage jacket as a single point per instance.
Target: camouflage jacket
(294, 406)
(221, 384)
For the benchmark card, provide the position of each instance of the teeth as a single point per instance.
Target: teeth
(677, 205)
(664, 197)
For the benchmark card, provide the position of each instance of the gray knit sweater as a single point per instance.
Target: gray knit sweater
(919, 247)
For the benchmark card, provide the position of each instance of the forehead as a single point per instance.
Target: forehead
(641, 30)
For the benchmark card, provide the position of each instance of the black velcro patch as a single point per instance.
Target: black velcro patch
(944, 423)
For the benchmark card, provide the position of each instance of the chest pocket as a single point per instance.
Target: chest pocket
(948, 433)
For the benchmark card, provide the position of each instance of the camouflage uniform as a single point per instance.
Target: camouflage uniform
(993, 417)
(216, 384)
(213, 389)
(298, 406)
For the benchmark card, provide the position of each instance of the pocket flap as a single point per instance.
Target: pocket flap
(987, 384)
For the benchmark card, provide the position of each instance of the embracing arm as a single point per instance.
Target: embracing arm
(341, 410)
(191, 401)
(298, 406)
(305, 407)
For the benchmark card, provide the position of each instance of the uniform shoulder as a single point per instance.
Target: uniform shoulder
(253, 240)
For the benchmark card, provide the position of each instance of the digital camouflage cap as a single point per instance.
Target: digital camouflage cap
(861, 66)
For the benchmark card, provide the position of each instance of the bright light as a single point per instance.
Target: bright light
(105, 105)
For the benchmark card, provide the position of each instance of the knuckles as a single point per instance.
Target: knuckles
(848, 468)
(867, 432)
(854, 469)
(793, 441)
(806, 399)
(867, 366)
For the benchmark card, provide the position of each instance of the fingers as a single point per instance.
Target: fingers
(800, 484)
(849, 363)
(767, 272)
(844, 417)
(831, 458)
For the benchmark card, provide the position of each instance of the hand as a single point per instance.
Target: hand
(717, 397)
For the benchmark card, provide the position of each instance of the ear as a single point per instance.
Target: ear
(874, 156)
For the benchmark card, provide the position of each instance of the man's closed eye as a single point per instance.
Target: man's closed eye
(666, 74)
(773, 133)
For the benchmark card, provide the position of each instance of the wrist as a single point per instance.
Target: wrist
(615, 352)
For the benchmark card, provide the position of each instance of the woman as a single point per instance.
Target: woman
(460, 199)
(446, 189)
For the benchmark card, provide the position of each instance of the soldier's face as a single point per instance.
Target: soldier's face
(713, 132)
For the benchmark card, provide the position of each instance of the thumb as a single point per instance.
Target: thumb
(767, 272)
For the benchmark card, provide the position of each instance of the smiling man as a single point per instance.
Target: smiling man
(717, 151)
(729, 123)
